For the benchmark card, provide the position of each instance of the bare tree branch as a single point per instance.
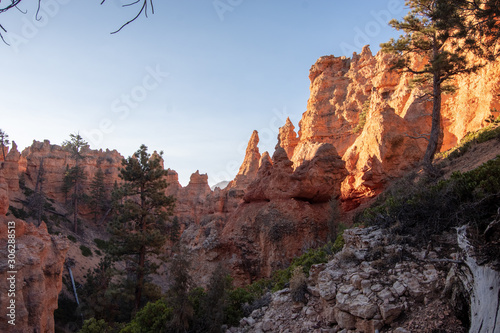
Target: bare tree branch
(143, 9)
(14, 4)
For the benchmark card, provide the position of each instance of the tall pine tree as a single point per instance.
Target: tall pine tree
(75, 176)
(182, 282)
(37, 200)
(435, 31)
(99, 202)
(142, 209)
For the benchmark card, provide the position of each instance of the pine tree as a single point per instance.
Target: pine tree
(434, 30)
(99, 202)
(37, 200)
(216, 299)
(182, 313)
(97, 298)
(141, 208)
(75, 176)
(175, 230)
(4, 142)
(481, 25)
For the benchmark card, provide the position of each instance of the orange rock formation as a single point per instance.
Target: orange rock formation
(39, 260)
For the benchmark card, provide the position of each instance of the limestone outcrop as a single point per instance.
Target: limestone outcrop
(367, 286)
(260, 237)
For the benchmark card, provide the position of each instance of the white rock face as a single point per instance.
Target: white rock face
(484, 284)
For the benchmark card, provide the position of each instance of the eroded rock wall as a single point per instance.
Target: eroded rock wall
(39, 260)
(377, 123)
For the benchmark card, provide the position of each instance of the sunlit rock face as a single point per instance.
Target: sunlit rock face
(377, 123)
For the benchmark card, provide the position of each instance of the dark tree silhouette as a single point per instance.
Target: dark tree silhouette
(4, 141)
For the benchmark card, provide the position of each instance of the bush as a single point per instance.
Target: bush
(72, 238)
(152, 318)
(485, 134)
(348, 257)
(86, 252)
(321, 255)
(18, 213)
(298, 285)
(418, 210)
(95, 326)
(362, 117)
(101, 244)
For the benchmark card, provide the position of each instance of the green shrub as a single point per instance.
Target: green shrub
(86, 252)
(321, 255)
(485, 134)
(237, 297)
(298, 285)
(95, 326)
(422, 209)
(19, 213)
(152, 318)
(72, 238)
(362, 117)
(101, 244)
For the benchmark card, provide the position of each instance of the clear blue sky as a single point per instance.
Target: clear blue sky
(194, 79)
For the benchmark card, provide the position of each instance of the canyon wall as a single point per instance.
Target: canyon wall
(363, 127)
(36, 280)
(376, 121)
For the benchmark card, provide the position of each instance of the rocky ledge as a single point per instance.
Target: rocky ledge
(372, 285)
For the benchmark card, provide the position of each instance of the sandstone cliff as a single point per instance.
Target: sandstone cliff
(376, 122)
(56, 160)
(39, 260)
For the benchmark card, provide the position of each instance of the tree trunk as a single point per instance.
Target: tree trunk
(140, 277)
(75, 201)
(75, 210)
(436, 126)
(142, 254)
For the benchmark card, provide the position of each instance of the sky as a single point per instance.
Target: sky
(193, 80)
